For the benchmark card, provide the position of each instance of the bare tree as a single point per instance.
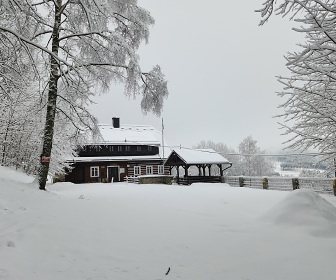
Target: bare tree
(309, 109)
(82, 46)
(252, 163)
(225, 151)
(249, 162)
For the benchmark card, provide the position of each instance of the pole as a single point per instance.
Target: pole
(162, 140)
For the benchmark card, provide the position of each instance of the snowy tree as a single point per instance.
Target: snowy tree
(17, 105)
(251, 162)
(78, 47)
(309, 109)
(248, 148)
(225, 151)
(17, 127)
(21, 129)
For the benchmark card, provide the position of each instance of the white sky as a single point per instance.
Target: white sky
(221, 68)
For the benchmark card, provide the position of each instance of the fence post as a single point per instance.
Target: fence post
(295, 183)
(241, 181)
(334, 186)
(265, 183)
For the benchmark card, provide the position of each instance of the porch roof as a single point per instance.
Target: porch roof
(185, 156)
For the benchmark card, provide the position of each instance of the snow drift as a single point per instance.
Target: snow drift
(306, 209)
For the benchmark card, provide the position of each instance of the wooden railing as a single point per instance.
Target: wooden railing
(150, 179)
(132, 180)
(188, 180)
(320, 185)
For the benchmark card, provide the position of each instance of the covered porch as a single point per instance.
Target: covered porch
(197, 165)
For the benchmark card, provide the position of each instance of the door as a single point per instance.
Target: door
(79, 176)
(113, 172)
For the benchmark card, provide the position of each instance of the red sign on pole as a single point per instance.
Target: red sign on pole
(45, 159)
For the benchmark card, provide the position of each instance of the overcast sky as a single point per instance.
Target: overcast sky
(221, 68)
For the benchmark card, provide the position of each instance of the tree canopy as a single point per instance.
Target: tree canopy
(309, 108)
(73, 49)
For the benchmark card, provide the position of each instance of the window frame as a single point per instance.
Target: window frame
(160, 169)
(138, 168)
(94, 171)
(149, 167)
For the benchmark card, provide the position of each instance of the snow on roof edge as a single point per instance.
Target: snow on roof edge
(195, 156)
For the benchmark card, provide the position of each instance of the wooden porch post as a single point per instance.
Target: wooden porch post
(203, 167)
(186, 171)
(178, 174)
(199, 170)
(221, 169)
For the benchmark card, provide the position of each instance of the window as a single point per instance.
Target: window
(137, 170)
(119, 148)
(149, 169)
(127, 148)
(149, 148)
(111, 148)
(94, 171)
(160, 169)
(138, 148)
(94, 148)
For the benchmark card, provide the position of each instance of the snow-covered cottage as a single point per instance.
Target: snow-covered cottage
(122, 151)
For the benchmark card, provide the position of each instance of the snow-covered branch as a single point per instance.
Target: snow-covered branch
(310, 107)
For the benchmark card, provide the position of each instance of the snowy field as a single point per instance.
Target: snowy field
(136, 232)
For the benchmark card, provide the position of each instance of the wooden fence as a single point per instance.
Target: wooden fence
(150, 179)
(188, 180)
(132, 180)
(320, 185)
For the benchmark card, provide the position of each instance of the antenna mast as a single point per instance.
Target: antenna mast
(162, 140)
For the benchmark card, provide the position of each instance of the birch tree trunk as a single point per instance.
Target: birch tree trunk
(52, 98)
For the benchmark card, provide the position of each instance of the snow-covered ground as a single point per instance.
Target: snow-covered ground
(136, 232)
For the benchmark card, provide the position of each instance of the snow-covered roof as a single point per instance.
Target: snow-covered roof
(129, 134)
(199, 156)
